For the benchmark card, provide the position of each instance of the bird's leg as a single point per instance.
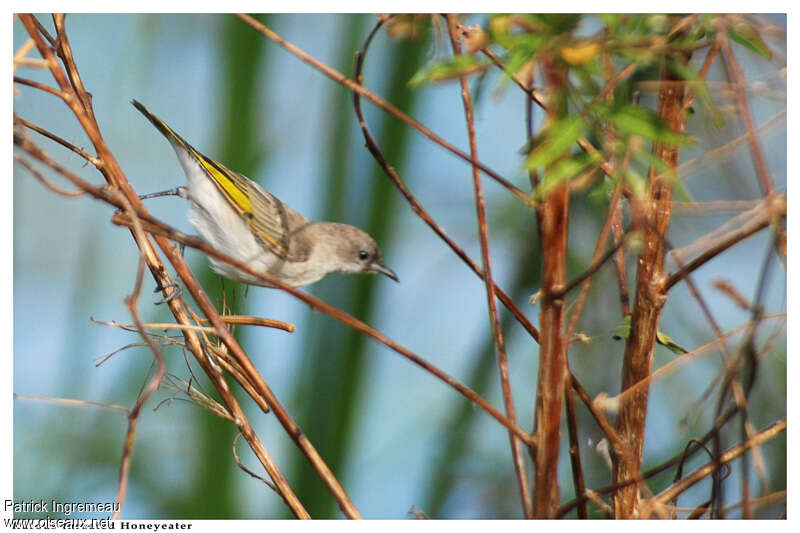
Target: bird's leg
(175, 294)
(183, 193)
(177, 191)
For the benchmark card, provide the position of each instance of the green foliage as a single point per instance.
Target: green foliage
(700, 90)
(565, 168)
(630, 119)
(447, 69)
(554, 141)
(747, 36)
(623, 331)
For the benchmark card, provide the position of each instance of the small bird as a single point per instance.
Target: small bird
(236, 216)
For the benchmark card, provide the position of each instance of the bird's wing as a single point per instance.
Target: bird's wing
(269, 219)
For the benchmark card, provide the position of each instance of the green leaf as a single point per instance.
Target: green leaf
(744, 34)
(664, 340)
(555, 141)
(612, 20)
(635, 120)
(636, 182)
(449, 68)
(703, 95)
(623, 331)
(680, 189)
(501, 31)
(569, 167)
(558, 23)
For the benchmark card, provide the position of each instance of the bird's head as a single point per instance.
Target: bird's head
(354, 251)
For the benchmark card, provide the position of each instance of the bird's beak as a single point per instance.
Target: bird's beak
(383, 269)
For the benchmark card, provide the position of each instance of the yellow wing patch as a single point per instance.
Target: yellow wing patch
(265, 214)
(269, 221)
(233, 186)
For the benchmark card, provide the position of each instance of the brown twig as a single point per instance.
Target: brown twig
(52, 136)
(383, 104)
(710, 56)
(638, 477)
(247, 320)
(667, 369)
(37, 85)
(761, 501)
(758, 218)
(64, 50)
(612, 215)
(608, 430)
(44, 181)
(704, 471)
(590, 271)
(121, 189)
(133, 417)
(619, 262)
(730, 148)
(157, 227)
(483, 231)
(163, 231)
(575, 451)
(44, 32)
(246, 470)
(744, 110)
(416, 206)
(71, 402)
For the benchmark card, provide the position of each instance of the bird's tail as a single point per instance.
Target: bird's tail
(161, 126)
(233, 186)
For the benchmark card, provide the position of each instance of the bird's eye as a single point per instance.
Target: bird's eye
(363, 255)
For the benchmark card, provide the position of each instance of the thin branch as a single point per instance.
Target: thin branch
(638, 477)
(710, 56)
(44, 32)
(483, 231)
(416, 206)
(71, 402)
(121, 188)
(773, 207)
(667, 369)
(52, 136)
(157, 227)
(37, 85)
(744, 110)
(704, 471)
(613, 209)
(608, 430)
(163, 231)
(44, 181)
(246, 470)
(247, 320)
(383, 104)
(731, 148)
(586, 276)
(20, 59)
(575, 452)
(133, 417)
(64, 50)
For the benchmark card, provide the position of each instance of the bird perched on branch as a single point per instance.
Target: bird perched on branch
(236, 216)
